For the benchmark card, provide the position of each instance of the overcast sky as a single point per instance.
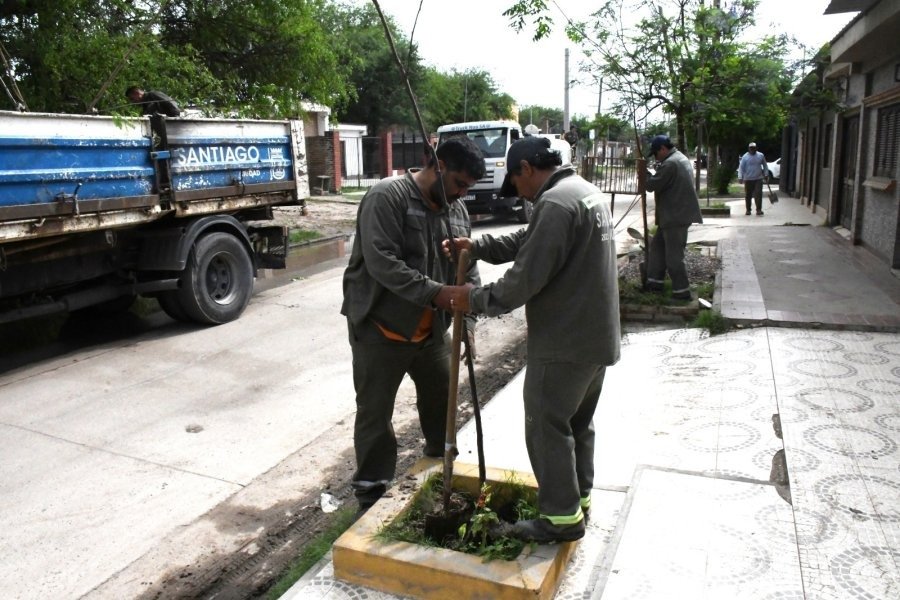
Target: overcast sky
(474, 34)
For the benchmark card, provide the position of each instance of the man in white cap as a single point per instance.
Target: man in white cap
(751, 171)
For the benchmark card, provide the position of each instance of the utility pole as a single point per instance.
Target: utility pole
(599, 113)
(466, 98)
(566, 102)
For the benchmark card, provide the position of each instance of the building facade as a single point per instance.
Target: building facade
(845, 161)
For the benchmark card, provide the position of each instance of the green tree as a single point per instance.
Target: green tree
(247, 57)
(684, 58)
(456, 97)
(377, 96)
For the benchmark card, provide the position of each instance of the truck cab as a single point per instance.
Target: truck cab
(494, 139)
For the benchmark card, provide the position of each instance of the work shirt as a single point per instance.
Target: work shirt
(157, 102)
(677, 204)
(752, 166)
(396, 266)
(564, 272)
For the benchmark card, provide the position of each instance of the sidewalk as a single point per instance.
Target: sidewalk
(759, 464)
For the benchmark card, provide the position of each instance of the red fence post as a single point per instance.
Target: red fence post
(387, 154)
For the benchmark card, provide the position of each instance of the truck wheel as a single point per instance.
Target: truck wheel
(217, 281)
(171, 305)
(524, 212)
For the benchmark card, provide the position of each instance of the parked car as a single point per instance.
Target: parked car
(774, 170)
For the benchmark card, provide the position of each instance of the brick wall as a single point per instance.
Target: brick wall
(323, 155)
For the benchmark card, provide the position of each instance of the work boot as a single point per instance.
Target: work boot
(433, 451)
(682, 296)
(543, 531)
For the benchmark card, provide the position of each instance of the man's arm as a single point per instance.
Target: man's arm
(663, 177)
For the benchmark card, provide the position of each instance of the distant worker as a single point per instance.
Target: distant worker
(677, 206)
(152, 102)
(751, 172)
(571, 136)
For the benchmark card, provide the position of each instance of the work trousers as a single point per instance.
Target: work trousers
(667, 254)
(560, 400)
(379, 365)
(753, 191)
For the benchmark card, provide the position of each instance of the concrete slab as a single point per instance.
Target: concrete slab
(685, 535)
(699, 420)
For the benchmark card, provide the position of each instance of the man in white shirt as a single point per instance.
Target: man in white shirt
(751, 172)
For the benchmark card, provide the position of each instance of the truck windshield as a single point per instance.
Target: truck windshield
(492, 142)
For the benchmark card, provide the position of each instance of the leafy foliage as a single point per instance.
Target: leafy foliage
(685, 58)
(245, 57)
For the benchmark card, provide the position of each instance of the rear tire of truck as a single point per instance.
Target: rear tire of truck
(525, 210)
(217, 281)
(171, 305)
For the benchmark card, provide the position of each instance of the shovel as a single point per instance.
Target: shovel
(439, 525)
(773, 197)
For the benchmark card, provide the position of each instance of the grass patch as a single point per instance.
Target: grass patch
(299, 236)
(711, 320)
(508, 502)
(631, 292)
(314, 551)
(705, 289)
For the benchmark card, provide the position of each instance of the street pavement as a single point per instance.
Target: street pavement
(759, 464)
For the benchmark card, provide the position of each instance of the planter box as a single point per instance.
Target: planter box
(426, 572)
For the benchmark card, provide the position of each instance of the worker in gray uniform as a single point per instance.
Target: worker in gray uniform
(677, 207)
(397, 317)
(564, 272)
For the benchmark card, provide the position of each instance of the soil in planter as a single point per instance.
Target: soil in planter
(470, 524)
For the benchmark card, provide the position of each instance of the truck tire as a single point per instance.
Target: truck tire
(217, 281)
(525, 210)
(171, 305)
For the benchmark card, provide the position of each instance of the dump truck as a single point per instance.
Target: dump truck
(97, 210)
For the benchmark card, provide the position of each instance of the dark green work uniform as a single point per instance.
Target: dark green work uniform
(396, 268)
(564, 272)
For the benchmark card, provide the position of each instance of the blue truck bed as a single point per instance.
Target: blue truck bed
(85, 172)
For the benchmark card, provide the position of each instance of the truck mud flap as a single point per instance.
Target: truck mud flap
(270, 244)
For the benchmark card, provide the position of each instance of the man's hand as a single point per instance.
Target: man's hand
(459, 243)
(453, 298)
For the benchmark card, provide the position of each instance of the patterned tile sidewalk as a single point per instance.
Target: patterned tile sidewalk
(688, 502)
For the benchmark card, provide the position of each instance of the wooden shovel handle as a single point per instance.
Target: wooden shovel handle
(462, 268)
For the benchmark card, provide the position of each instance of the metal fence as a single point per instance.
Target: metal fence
(612, 175)
(362, 161)
(408, 151)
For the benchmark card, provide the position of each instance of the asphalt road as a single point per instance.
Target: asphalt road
(141, 446)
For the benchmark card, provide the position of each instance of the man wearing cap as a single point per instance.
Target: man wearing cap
(677, 207)
(564, 272)
(751, 171)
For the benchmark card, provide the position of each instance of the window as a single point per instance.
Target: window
(887, 140)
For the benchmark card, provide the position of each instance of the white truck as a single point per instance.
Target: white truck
(494, 139)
